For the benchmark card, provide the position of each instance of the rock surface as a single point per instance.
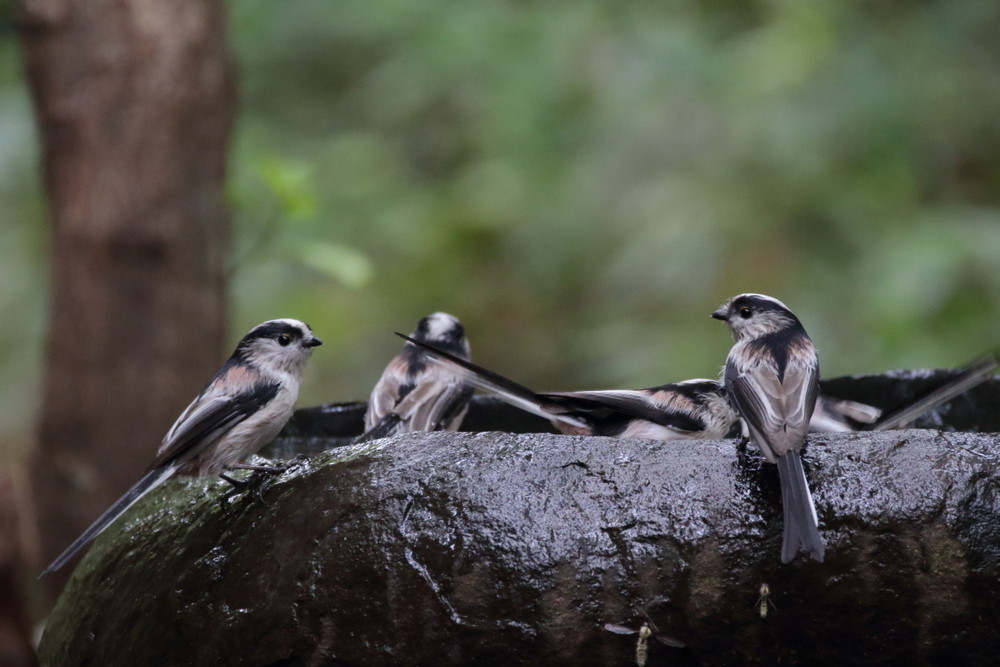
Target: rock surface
(499, 548)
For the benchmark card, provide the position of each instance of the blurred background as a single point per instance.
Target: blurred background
(582, 183)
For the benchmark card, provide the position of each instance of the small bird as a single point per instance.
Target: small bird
(412, 395)
(241, 409)
(656, 413)
(772, 377)
(692, 409)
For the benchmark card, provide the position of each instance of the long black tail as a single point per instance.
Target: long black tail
(388, 425)
(800, 514)
(513, 393)
(149, 481)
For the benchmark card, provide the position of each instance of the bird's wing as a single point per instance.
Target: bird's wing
(385, 395)
(208, 419)
(383, 428)
(840, 415)
(435, 402)
(633, 403)
(776, 410)
(516, 394)
(801, 386)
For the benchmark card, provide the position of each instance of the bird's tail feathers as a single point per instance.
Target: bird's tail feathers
(482, 378)
(859, 412)
(149, 481)
(801, 525)
(388, 425)
(841, 416)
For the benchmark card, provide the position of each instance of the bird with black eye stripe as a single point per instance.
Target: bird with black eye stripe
(772, 378)
(241, 409)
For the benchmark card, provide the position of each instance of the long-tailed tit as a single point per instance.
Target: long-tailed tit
(242, 408)
(772, 377)
(413, 395)
(693, 409)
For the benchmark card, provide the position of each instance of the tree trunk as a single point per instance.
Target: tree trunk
(15, 622)
(134, 101)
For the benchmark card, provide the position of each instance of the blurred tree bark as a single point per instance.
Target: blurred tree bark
(134, 101)
(15, 619)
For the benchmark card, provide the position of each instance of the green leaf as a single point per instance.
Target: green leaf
(291, 183)
(347, 265)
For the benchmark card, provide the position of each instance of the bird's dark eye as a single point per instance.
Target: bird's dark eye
(284, 340)
(745, 313)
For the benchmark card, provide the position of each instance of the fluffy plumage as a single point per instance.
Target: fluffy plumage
(693, 409)
(241, 409)
(412, 395)
(772, 378)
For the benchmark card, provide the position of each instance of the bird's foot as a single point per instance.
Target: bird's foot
(273, 470)
(241, 486)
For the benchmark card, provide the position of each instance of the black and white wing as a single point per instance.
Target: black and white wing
(387, 392)
(437, 402)
(634, 403)
(413, 395)
(214, 413)
(513, 393)
(841, 415)
(775, 405)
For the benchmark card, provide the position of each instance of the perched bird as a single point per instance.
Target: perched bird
(242, 408)
(656, 413)
(414, 396)
(692, 409)
(772, 377)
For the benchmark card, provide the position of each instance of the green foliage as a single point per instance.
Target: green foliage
(583, 182)
(22, 256)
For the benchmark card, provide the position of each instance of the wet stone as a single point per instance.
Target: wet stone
(518, 548)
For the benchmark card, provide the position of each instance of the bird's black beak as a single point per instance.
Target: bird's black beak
(312, 341)
(721, 314)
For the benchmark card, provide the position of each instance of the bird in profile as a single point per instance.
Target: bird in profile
(241, 409)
